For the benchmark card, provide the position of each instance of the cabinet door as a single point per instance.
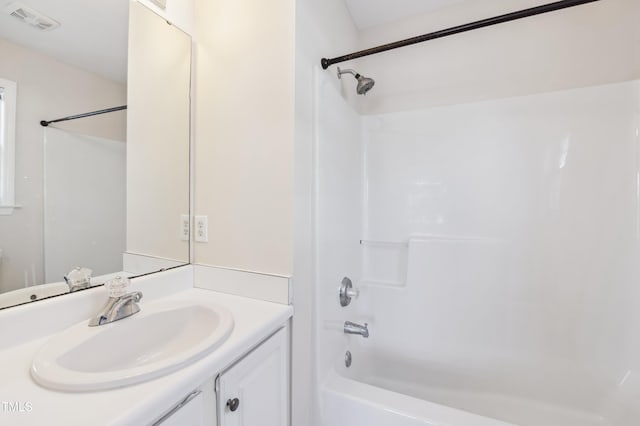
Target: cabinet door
(195, 409)
(255, 391)
(188, 413)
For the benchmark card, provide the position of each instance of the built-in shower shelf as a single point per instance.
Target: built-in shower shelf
(389, 263)
(384, 263)
(7, 209)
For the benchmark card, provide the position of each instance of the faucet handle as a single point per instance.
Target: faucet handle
(78, 278)
(118, 286)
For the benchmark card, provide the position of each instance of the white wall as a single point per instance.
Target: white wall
(158, 136)
(339, 167)
(47, 89)
(322, 28)
(251, 179)
(244, 133)
(590, 44)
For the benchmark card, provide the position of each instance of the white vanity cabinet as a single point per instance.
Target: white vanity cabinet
(255, 390)
(252, 364)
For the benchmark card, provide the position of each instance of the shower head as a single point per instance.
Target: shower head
(364, 83)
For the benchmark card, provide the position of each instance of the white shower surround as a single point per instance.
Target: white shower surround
(497, 267)
(84, 203)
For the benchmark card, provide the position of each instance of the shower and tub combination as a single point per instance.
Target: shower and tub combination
(492, 269)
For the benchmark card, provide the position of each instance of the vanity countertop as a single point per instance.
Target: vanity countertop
(23, 402)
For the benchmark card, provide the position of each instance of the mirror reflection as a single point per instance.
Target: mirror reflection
(91, 192)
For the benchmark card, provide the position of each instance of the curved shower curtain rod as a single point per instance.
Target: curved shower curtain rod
(550, 7)
(44, 123)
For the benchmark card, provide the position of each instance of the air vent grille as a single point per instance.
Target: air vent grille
(31, 17)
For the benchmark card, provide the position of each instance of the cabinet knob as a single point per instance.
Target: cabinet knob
(233, 404)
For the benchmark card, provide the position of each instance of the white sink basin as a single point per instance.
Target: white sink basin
(156, 341)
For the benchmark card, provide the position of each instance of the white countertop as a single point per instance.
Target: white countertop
(139, 404)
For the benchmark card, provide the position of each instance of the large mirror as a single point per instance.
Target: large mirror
(107, 192)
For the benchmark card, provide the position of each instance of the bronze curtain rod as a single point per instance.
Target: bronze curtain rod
(44, 123)
(550, 7)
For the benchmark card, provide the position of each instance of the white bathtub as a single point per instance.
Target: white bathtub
(376, 393)
(347, 402)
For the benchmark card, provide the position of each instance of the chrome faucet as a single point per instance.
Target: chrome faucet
(353, 328)
(120, 303)
(117, 308)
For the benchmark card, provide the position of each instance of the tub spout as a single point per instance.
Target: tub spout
(353, 328)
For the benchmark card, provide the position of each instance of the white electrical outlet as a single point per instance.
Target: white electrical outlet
(185, 225)
(202, 229)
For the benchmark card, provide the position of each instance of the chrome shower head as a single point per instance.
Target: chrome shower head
(364, 83)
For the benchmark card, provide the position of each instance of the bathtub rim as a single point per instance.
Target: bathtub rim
(430, 413)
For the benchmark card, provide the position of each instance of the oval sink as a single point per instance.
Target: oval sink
(147, 345)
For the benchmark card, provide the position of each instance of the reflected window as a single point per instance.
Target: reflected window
(7, 145)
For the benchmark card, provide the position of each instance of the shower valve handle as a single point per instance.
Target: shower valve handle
(347, 292)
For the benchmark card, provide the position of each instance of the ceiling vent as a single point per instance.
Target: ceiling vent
(31, 17)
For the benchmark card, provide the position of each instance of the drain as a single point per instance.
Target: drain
(347, 359)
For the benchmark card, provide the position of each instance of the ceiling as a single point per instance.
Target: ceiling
(370, 13)
(93, 34)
